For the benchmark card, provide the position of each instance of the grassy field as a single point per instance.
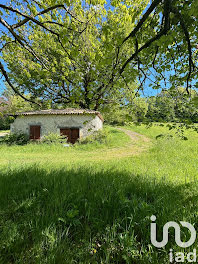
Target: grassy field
(92, 203)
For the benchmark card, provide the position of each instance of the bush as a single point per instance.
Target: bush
(5, 122)
(53, 138)
(100, 136)
(15, 138)
(115, 116)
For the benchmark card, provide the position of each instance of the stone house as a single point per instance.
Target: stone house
(74, 123)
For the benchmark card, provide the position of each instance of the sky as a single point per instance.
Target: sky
(2, 86)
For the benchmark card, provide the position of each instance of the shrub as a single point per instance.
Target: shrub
(100, 136)
(5, 122)
(164, 136)
(15, 138)
(53, 138)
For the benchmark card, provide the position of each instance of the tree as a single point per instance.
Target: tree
(14, 103)
(160, 108)
(184, 107)
(10, 103)
(126, 106)
(172, 105)
(138, 109)
(4, 120)
(79, 52)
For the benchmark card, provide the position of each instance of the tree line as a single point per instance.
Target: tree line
(172, 105)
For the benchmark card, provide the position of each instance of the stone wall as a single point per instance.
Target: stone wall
(87, 124)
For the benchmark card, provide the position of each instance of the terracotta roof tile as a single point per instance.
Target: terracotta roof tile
(67, 111)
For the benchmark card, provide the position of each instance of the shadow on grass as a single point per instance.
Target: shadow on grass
(83, 216)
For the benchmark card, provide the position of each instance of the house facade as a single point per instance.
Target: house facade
(74, 123)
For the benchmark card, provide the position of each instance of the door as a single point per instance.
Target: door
(74, 135)
(66, 132)
(35, 132)
(71, 133)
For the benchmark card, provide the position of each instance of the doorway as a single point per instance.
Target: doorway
(35, 132)
(71, 133)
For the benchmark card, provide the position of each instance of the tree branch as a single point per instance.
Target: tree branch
(27, 17)
(187, 36)
(19, 39)
(7, 43)
(162, 32)
(3, 71)
(154, 4)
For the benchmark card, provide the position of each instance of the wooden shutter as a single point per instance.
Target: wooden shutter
(66, 132)
(74, 135)
(71, 133)
(35, 132)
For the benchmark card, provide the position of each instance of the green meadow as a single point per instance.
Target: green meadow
(92, 203)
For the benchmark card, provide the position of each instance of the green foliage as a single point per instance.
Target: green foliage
(71, 56)
(100, 136)
(160, 109)
(5, 122)
(173, 105)
(138, 109)
(162, 136)
(15, 103)
(115, 115)
(53, 138)
(15, 139)
(108, 137)
(79, 63)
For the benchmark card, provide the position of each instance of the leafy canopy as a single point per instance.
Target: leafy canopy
(84, 52)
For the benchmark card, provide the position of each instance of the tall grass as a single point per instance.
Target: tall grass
(79, 209)
(86, 215)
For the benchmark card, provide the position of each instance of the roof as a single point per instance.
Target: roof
(67, 111)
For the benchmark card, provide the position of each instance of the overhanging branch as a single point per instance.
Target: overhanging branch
(3, 71)
(162, 32)
(187, 37)
(154, 4)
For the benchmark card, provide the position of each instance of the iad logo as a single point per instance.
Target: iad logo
(177, 256)
(177, 234)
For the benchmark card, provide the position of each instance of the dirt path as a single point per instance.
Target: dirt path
(134, 135)
(138, 144)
